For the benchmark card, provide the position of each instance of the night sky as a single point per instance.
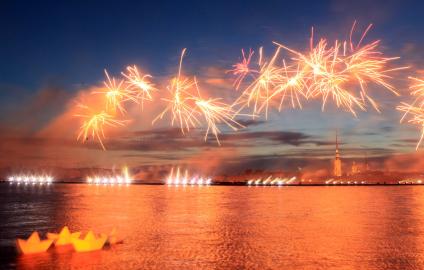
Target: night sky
(51, 52)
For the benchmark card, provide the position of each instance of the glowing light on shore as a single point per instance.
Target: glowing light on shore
(31, 179)
(344, 182)
(123, 179)
(412, 181)
(329, 181)
(272, 181)
(177, 177)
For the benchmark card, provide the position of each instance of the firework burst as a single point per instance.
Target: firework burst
(258, 94)
(116, 94)
(95, 123)
(417, 90)
(291, 87)
(343, 71)
(216, 112)
(242, 69)
(366, 64)
(187, 108)
(338, 72)
(415, 112)
(140, 86)
(179, 103)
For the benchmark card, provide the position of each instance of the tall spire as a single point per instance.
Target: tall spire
(337, 145)
(337, 140)
(337, 169)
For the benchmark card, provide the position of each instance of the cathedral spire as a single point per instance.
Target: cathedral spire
(337, 169)
(337, 143)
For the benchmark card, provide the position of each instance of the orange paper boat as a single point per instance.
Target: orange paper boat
(89, 243)
(64, 237)
(33, 244)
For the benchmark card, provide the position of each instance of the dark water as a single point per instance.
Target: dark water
(221, 227)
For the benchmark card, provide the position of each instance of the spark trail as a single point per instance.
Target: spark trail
(414, 113)
(95, 123)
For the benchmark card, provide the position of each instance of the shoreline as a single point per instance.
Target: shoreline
(240, 184)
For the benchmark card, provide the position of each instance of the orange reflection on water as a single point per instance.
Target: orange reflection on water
(167, 227)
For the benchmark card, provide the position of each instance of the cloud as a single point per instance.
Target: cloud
(25, 113)
(171, 139)
(411, 162)
(275, 137)
(251, 122)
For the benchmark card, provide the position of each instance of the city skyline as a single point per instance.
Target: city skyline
(38, 127)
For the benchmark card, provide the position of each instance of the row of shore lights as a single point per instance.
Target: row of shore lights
(123, 179)
(112, 180)
(336, 182)
(31, 179)
(277, 181)
(176, 178)
(411, 181)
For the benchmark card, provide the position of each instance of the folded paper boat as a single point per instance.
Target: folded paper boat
(33, 244)
(89, 243)
(64, 237)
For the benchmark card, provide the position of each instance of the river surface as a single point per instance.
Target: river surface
(220, 227)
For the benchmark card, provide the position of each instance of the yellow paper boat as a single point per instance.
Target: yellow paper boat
(113, 238)
(64, 237)
(33, 244)
(89, 243)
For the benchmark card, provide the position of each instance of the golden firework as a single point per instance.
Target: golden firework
(242, 69)
(179, 103)
(140, 86)
(258, 93)
(292, 86)
(216, 112)
(343, 71)
(116, 94)
(415, 112)
(187, 108)
(95, 123)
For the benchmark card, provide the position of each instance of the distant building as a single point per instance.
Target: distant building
(358, 168)
(337, 168)
(355, 169)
